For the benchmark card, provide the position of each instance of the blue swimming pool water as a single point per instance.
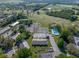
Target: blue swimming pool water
(55, 31)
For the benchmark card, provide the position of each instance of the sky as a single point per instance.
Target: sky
(10, 1)
(16, 1)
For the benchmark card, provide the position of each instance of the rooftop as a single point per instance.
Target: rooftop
(46, 55)
(14, 36)
(24, 44)
(15, 23)
(4, 30)
(42, 30)
(76, 39)
(39, 35)
(39, 39)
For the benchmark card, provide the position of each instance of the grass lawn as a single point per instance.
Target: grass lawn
(45, 20)
(56, 38)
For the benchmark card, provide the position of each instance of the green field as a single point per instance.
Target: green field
(45, 20)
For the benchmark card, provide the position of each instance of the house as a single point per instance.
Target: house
(8, 33)
(39, 42)
(33, 28)
(39, 35)
(2, 31)
(42, 30)
(46, 55)
(14, 24)
(76, 39)
(11, 52)
(39, 39)
(24, 44)
(14, 35)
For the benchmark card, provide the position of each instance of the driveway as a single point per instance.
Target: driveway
(54, 45)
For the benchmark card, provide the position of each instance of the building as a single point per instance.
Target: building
(46, 55)
(39, 39)
(11, 52)
(14, 24)
(14, 35)
(24, 44)
(33, 28)
(42, 30)
(39, 42)
(39, 36)
(8, 33)
(76, 39)
(2, 31)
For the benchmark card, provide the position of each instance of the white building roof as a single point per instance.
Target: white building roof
(25, 44)
(39, 39)
(39, 35)
(46, 55)
(43, 30)
(76, 39)
(15, 23)
(4, 30)
(39, 42)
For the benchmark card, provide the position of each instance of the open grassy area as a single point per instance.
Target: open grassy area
(45, 20)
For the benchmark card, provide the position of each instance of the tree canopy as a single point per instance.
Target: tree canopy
(6, 43)
(23, 53)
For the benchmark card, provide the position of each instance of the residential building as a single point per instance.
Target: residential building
(39, 42)
(76, 39)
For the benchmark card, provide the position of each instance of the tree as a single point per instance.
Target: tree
(21, 16)
(71, 39)
(2, 55)
(6, 43)
(64, 13)
(72, 49)
(21, 28)
(23, 53)
(62, 55)
(26, 22)
(61, 43)
(73, 18)
(59, 28)
(23, 36)
(65, 33)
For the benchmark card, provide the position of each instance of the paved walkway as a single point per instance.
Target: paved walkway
(54, 46)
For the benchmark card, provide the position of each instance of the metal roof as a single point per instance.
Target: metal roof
(39, 35)
(4, 30)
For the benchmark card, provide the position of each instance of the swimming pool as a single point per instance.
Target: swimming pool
(54, 31)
